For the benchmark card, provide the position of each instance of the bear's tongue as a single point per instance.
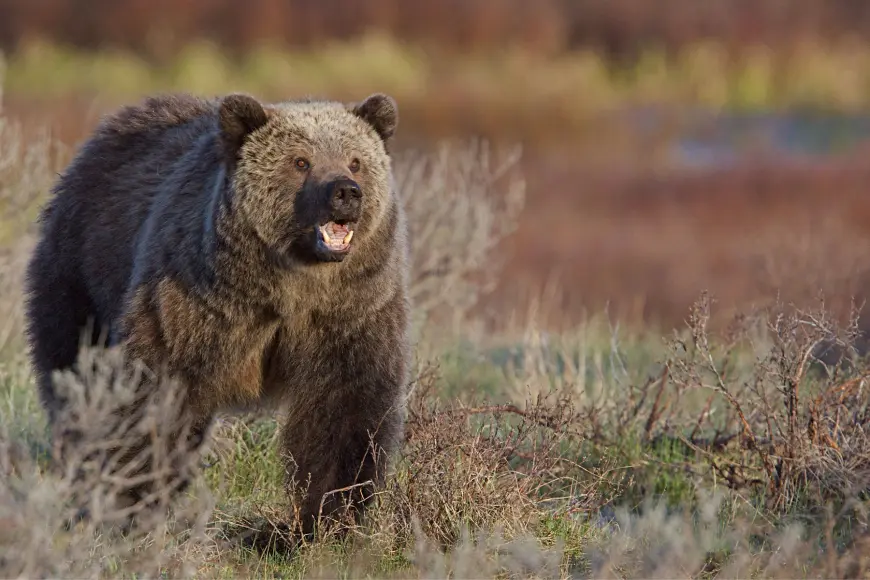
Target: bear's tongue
(337, 230)
(336, 236)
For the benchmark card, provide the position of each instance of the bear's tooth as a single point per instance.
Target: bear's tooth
(347, 238)
(326, 237)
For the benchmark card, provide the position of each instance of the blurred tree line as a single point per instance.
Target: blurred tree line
(619, 28)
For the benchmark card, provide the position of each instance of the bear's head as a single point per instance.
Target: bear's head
(312, 178)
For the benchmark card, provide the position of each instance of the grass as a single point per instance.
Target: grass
(712, 451)
(636, 476)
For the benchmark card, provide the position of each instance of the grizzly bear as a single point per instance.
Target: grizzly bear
(256, 253)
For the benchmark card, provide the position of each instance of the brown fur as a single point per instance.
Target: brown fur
(186, 229)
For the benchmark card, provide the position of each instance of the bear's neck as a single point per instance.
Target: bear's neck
(232, 262)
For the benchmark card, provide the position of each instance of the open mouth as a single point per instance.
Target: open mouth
(335, 236)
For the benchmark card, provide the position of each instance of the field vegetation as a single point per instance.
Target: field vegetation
(626, 365)
(493, 86)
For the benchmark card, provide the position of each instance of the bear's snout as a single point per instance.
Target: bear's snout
(335, 231)
(345, 199)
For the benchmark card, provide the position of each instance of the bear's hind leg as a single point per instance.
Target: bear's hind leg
(59, 314)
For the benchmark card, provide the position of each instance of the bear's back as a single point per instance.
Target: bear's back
(103, 198)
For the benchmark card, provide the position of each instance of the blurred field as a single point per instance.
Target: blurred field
(581, 408)
(616, 28)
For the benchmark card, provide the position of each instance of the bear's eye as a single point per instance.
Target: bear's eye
(354, 165)
(302, 164)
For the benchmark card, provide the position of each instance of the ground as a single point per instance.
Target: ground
(590, 454)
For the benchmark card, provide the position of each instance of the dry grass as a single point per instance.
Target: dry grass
(39, 504)
(462, 200)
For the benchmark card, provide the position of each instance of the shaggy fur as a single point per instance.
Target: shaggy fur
(187, 229)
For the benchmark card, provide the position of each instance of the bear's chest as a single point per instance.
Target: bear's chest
(222, 359)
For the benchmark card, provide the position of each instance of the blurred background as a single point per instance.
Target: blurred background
(669, 146)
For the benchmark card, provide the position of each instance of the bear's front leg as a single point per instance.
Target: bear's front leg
(345, 422)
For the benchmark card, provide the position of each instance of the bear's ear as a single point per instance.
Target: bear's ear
(381, 112)
(239, 116)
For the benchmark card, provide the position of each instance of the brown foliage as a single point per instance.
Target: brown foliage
(795, 428)
(620, 27)
(483, 466)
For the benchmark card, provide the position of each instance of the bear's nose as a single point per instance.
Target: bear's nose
(344, 198)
